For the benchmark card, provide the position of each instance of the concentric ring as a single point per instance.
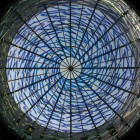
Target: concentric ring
(70, 68)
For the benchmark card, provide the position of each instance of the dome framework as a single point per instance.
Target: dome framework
(70, 69)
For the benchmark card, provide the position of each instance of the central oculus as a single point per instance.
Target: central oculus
(70, 68)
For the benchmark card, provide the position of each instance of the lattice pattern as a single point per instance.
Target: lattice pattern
(71, 67)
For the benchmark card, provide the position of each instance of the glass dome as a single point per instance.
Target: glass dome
(70, 69)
